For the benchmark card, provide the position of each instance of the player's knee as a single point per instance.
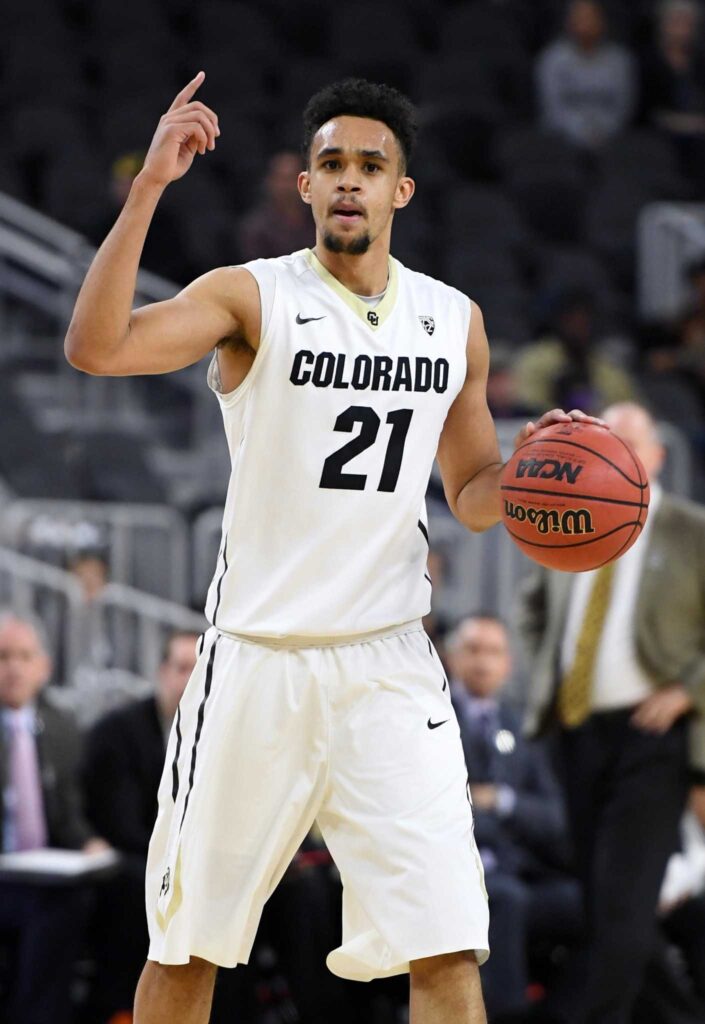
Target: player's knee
(437, 970)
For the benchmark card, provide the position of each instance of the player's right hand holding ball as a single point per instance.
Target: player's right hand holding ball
(551, 417)
(574, 496)
(187, 128)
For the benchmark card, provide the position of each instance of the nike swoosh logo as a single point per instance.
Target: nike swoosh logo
(435, 725)
(307, 319)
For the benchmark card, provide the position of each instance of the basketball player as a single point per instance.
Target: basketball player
(316, 694)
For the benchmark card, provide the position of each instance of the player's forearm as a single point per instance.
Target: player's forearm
(478, 504)
(101, 316)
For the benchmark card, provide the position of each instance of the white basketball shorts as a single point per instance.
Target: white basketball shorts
(360, 736)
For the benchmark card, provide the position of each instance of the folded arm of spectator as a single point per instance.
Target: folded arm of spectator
(538, 817)
(534, 815)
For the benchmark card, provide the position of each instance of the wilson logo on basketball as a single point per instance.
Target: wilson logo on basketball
(548, 469)
(573, 521)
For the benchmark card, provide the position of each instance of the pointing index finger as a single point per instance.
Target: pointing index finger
(188, 91)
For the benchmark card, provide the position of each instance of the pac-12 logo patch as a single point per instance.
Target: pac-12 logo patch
(428, 324)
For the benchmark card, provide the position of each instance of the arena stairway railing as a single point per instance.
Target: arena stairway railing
(145, 546)
(88, 676)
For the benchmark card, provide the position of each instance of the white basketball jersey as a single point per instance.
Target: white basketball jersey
(332, 437)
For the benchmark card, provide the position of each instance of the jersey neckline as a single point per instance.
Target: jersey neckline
(372, 318)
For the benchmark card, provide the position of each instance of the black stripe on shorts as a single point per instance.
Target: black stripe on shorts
(430, 651)
(199, 725)
(175, 763)
(222, 576)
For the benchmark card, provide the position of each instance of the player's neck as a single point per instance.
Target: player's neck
(362, 275)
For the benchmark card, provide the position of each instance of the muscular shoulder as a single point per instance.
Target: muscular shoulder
(234, 291)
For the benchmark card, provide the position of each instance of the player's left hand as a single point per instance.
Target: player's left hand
(662, 709)
(555, 416)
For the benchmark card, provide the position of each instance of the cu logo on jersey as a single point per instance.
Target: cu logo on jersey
(373, 318)
(428, 324)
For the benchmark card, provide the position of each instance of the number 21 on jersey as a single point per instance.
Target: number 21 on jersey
(333, 475)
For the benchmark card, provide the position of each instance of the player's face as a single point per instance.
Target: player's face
(354, 183)
(481, 659)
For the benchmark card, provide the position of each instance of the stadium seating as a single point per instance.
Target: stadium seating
(503, 208)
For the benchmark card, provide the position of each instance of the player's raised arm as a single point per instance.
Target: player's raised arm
(468, 452)
(105, 335)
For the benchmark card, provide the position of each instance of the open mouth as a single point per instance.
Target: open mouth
(347, 214)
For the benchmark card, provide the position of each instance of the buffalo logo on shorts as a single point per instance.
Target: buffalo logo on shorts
(428, 324)
(166, 880)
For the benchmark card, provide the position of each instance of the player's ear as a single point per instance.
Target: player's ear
(304, 183)
(404, 191)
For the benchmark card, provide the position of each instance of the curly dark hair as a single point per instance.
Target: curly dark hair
(360, 98)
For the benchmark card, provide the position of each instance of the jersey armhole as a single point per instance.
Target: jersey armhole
(466, 313)
(266, 281)
(468, 317)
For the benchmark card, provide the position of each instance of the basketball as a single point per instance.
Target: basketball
(574, 496)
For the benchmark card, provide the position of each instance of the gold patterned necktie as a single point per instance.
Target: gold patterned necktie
(575, 692)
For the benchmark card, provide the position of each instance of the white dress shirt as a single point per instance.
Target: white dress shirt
(619, 680)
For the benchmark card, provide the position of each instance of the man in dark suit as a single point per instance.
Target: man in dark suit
(520, 824)
(39, 752)
(123, 764)
(632, 637)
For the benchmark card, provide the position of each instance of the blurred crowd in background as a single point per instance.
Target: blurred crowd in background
(547, 128)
